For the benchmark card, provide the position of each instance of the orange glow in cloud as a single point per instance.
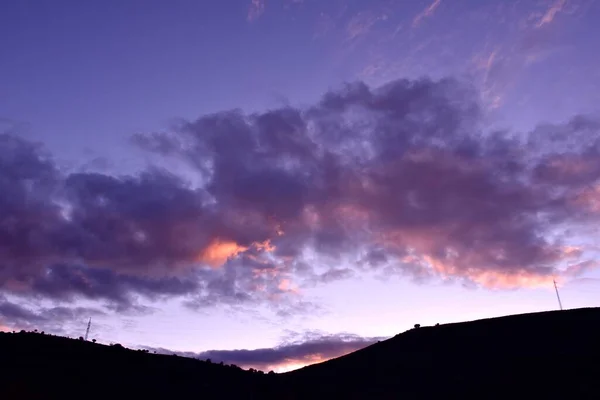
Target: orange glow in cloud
(219, 251)
(285, 285)
(292, 364)
(494, 279)
(506, 280)
(469, 265)
(265, 246)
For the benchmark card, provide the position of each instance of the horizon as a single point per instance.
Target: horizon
(283, 182)
(206, 356)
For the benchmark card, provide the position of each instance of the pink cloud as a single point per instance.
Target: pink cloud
(551, 13)
(362, 23)
(427, 12)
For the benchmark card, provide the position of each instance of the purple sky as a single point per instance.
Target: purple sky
(294, 178)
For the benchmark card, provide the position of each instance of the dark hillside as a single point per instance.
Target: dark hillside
(552, 355)
(545, 355)
(36, 366)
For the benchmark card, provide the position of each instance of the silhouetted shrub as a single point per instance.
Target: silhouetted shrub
(93, 340)
(438, 324)
(271, 372)
(81, 338)
(208, 360)
(417, 326)
(22, 331)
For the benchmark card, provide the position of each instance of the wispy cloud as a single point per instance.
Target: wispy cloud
(256, 9)
(427, 12)
(361, 24)
(491, 92)
(550, 14)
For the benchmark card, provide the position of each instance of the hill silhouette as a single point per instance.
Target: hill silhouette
(550, 355)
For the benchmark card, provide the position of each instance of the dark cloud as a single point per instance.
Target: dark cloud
(402, 174)
(57, 320)
(307, 350)
(68, 281)
(401, 178)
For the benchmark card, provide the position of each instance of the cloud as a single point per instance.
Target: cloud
(14, 316)
(403, 170)
(256, 9)
(362, 23)
(399, 179)
(552, 11)
(311, 349)
(427, 12)
(113, 239)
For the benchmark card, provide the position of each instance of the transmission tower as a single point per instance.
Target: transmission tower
(557, 295)
(87, 331)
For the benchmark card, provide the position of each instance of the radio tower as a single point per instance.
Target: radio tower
(87, 331)
(557, 296)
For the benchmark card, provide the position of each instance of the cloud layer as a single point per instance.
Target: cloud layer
(312, 348)
(401, 178)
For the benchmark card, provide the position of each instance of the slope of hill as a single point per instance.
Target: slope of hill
(543, 355)
(36, 366)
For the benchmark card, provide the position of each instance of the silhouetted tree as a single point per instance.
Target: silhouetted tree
(271, 372)
(80, 337)
(93, 340)
(208, 360)
(417, 326)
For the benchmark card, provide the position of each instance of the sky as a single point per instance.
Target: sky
(273, 183)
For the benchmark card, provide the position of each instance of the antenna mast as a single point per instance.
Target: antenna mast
(87, 331)
(557, 295)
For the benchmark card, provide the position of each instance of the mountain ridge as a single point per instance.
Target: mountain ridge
(553, 353)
